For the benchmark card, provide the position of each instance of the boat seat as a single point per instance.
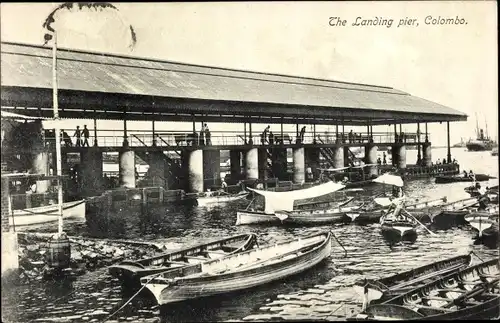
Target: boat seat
(488, 276)
(433, 308)
(454, 290)
(434, 298)
(197, 258)
(176, 263)
(216, 252)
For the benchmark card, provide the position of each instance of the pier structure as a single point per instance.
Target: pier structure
(110, 87)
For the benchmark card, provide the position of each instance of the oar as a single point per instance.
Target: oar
(419, 222)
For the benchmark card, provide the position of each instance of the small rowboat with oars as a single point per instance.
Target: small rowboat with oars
(377, 291)
(468, 294)
(240, 271)
(129, 272)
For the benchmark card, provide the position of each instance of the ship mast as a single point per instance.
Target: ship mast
(477, 127)
(486, 123)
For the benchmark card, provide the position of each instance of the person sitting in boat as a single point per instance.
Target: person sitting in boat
(223, 185)
(465, 174)
(482, 198)
(471, 175)
(208, 192)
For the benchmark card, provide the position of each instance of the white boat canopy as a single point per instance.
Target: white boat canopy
(283, 201)
(390, 180)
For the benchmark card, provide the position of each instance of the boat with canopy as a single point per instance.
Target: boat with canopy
(284, 201)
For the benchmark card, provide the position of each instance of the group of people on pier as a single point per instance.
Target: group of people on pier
(268, 138)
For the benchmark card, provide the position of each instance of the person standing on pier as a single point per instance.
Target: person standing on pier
(78, 135)
(265, 134)
(208, 136)
(302, 133)
(86, 135)
(384, 159)
(202, 135)
(271, 138)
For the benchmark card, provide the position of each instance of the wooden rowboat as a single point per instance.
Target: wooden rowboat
(240, 271)
(376, 291)
(304, 217)
(396, 227)
(217, 198)
(461, 178)
(47, 214)
(129, 272)
(419, 210)
(470, 293)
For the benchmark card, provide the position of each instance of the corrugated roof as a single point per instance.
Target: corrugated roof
(28, 66)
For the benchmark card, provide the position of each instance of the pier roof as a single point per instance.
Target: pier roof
(105, 86)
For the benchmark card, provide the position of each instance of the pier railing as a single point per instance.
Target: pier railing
(109, 137)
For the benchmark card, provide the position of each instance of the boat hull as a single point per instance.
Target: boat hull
(215, 200)
(217, 284)
(454, 179)
(47, 214)
(130, 272)
(395, 233)
(244, 217)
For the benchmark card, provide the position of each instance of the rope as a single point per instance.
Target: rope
(475, 254)
(345, 254)
(133, 296)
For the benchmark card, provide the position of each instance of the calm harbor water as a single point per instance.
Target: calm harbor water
(324, 292)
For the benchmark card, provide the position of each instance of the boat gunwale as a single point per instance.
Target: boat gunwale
(316, 247)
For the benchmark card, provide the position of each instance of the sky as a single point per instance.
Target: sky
(454, 65)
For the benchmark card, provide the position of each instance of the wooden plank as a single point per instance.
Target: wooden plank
(433, 308)
(197, 258)
(434, 298)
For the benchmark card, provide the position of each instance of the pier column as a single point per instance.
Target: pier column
(427, 154)
(126, 164)
(211, 168)
(279, 162)
(252, 163)
(448, 155)
(158, 168)
(299, 165)
(91, 168)
(235, 161)
(193, 164)
(371, 158)
(10, 257)
(312, 160)
(263, 160)
(346, 156)
(399, 156)
(338, 156)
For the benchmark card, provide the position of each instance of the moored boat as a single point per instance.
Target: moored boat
(282, 201)
(304, 217)
(47, 214)
(453, 213)
(376, 291)
(461, 178)
(213, 198)
(470, 293)
(419, 210)
(396, 227)
(129, 272)
(240, 271)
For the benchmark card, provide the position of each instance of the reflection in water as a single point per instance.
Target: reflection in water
(324, 292)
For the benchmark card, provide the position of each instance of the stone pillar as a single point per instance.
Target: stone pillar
(91, 169)
(338, 156)
(263, 160)
(347, 156)
(371, 158)
(312, 160)
(10, 256)
(299, 167)
(193, 164)
(252, 163)
(427, 154)
(158, 168)
(235, 163)
(399, 156)
(211, 168)
(126, 165)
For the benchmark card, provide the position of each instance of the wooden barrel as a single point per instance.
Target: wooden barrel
(59, 252)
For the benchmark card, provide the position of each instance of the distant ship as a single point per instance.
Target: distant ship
(461, 144)
(482, 142)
